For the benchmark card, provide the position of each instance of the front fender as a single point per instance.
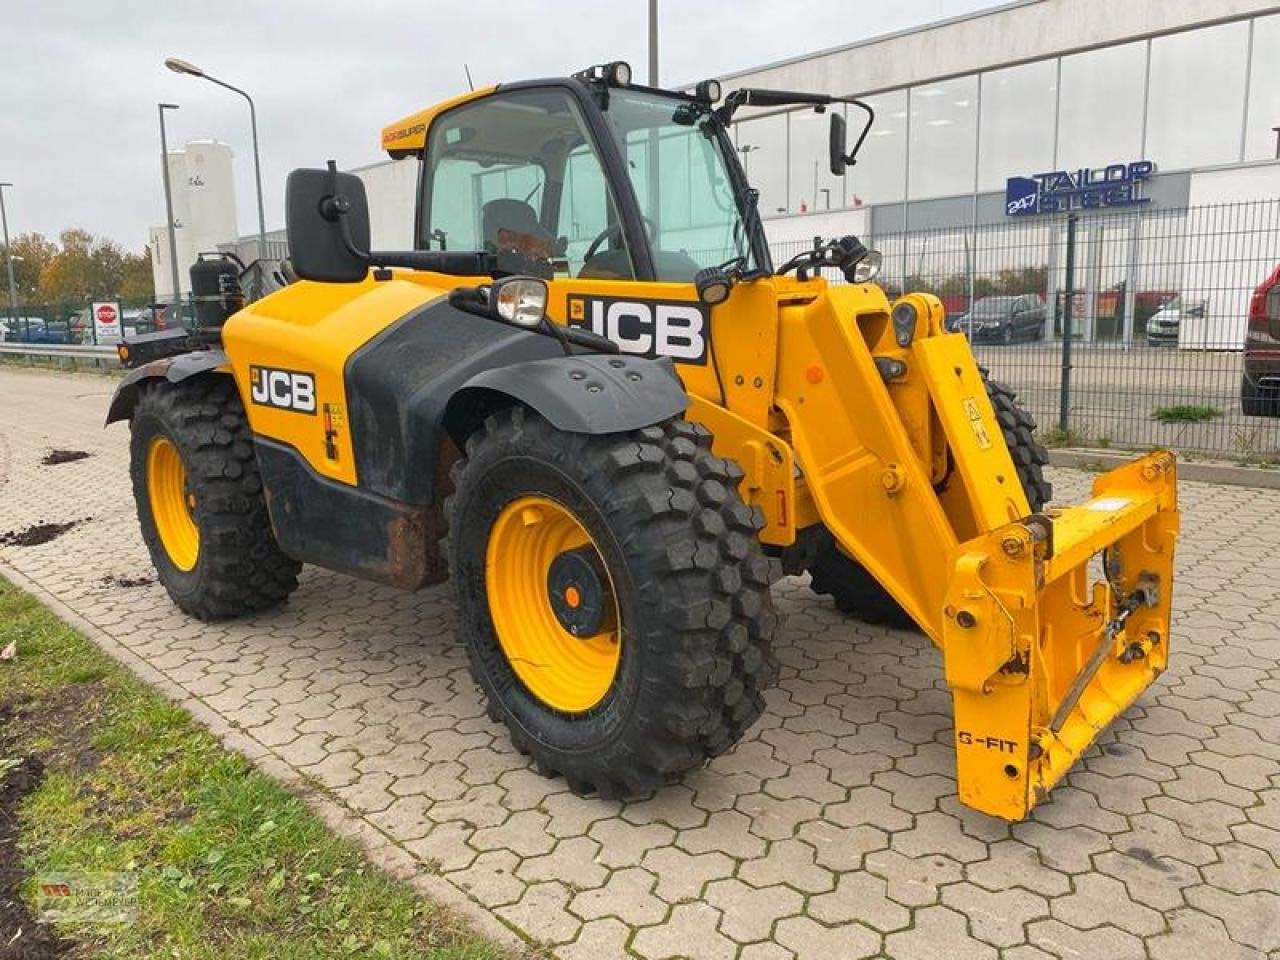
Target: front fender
(172, 369)
(588, 393)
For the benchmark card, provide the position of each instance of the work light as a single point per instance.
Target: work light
(521, 301)
(868, 268)
(713, 285)
(619, 73)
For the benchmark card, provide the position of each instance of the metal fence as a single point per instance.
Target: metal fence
(1154, 304)
(72, 323)
(1129, 326)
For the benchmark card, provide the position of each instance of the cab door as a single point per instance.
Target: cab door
(661, 165)
(618, 206)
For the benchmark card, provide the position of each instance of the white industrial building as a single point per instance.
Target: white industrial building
(970, 107)
(204, 211)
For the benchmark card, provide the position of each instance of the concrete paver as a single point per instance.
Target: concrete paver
(832, 831)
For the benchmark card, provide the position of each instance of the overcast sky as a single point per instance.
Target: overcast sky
(78, 129)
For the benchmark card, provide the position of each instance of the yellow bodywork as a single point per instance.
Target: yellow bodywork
(316, 327)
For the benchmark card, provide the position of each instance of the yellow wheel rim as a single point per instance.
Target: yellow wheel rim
(566, 672)
(171, 504)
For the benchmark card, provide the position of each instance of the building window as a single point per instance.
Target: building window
(1197, 81)
(943, 136)
(812, 187)
(880, 174)
(762, 148)
(1016, 128)
(1100, 107)
(1264, 91)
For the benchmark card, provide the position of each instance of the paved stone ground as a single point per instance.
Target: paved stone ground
(833, 832)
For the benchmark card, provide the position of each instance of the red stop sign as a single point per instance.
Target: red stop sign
(106, 314)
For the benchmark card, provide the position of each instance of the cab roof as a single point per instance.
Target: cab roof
(409, 135)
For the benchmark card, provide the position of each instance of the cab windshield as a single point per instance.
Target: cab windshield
(518, 174)
(674, 153)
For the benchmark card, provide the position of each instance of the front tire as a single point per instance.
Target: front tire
(857, 593)
(643, 535)
(200, 502)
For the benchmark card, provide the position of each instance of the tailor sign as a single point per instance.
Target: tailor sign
(1061, 191)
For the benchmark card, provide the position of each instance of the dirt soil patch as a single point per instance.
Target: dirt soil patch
(22, 937)
(55, 457)
(36, 534)
(125, 583)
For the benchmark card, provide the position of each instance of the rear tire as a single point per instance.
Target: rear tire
(857, 593)
(196, 432)
(685, 574)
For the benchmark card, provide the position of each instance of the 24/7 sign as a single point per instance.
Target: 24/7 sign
(106, 323)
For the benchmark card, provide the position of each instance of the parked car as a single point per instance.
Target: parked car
(1163, 327)
(37, 330)
(1260, 383)
(133, 322)
(1004, 319)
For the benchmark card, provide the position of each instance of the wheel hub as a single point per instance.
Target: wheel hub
(576, 588)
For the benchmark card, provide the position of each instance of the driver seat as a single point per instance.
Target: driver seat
(517, 220)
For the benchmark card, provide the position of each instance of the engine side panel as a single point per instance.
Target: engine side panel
(289, 354)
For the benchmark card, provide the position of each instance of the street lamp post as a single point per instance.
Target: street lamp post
(746, 150)
(653, 43)
(191, 70)
(168, 207)
(8, 255)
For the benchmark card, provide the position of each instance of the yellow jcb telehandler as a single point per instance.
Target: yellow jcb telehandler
(590, 399)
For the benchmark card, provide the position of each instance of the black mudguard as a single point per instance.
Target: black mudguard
(437, 373)
(173, 369)
(591, 393)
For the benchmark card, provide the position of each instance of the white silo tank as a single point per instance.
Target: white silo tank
(210, 199)
(181, 223)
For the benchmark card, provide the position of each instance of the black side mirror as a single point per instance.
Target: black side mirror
(327, 222)
(838, 137)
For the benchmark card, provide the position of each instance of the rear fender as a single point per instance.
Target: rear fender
(173, 369)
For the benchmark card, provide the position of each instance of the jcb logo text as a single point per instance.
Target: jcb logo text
(647, 328)
(284, 389)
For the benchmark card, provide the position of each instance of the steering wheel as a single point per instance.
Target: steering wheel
(615, 230)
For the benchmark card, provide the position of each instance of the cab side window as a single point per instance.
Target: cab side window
(462, 189)
(517, 174)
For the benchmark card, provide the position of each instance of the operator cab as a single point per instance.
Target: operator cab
(647, 194)
(585, 178)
